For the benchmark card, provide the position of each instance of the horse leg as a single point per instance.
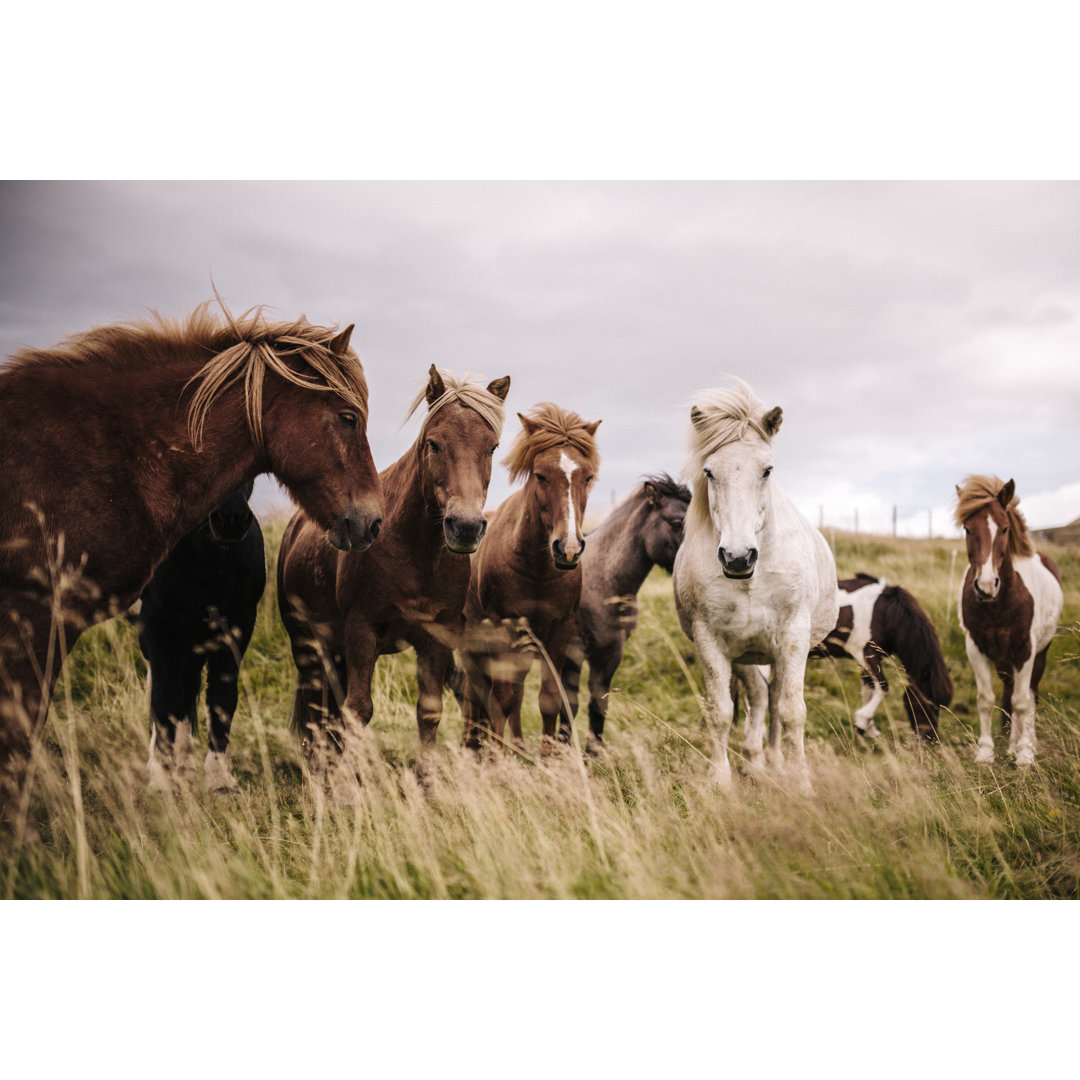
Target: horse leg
(361, 652)
(475, 700)
(32, 648)
(174, 676)
(554, 715)
(717, 707)
(789, 675)
(432, 659)
(874, 686)
(1022, 741)
(602, 668)
(571, 673)
(1007, 677)
(505, 707)
(757, 703)
(984, 696)
(222, 696)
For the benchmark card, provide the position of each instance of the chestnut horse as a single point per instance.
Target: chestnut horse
(526, 578)
(103, 469)
(1010, 603)
(643, 531)
(878, 620)
(343, 611)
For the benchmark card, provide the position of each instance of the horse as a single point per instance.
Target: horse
(525, 584)
(1010, 602)
(103, 469)
(643, 531)
(754, 581)
(342, 610)
(877, 620)
(199, 611)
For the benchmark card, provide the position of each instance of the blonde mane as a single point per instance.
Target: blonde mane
(720, 416)
(470, 394)
(241, 348)
(551, 426)
(978, 492)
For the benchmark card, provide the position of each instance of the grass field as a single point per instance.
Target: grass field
(900, 821)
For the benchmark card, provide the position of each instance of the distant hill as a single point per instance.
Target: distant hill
(1064, 534)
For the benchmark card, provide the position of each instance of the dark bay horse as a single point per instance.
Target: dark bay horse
(643, 531)
(121, 439)
(877, 620)
(526, 578)
(199, 611)
(1010, 603)
(344, 610)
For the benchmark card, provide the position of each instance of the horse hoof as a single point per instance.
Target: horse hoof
(218, 775)
(1025, 756)
(871, 731)
(984, 756)
(158, 778)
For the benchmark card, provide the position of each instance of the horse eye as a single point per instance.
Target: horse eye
(541, 479)
(348, 419)
(708, 474)
(676, 526)
(433, 446)
(491, 452)
(767, 473)
(1004, 529)
(589, 479)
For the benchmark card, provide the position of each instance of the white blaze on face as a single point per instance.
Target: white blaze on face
(569, 468)
(986, 571)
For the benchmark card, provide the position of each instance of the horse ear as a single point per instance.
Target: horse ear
(957, 486)
(435, 387)
(591, 428)
(651, 493)
(500, 387)
(696, 416)
(341, 342)
(530, 426)
(1006, 493)
(773, 419)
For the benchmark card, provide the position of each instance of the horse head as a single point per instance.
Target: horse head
(735, 461)
(662, 530)
(987, 534)
(557, 451)
(230, 521)
(315, 423)
(456, 445)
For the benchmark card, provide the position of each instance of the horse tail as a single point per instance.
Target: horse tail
(914, 642)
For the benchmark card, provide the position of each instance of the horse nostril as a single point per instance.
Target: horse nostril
(375, 528)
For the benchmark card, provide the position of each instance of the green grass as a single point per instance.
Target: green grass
(901, 821)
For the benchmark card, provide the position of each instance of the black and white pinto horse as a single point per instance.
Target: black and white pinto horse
(199, 611)
(877, 620)
(643, 531)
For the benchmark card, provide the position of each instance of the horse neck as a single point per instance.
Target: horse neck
(530, 538)
(182, 486)
(909, 636)
(615, 550)
(411, 507)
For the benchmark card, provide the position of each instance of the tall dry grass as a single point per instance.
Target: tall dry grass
(899, 821)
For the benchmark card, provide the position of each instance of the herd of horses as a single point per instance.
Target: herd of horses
(127, 457)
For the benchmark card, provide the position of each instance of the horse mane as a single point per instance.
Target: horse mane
(240, 348)
(551, 426)
(913, 640)
(666, 487)
(722, 415)
(977, 492)
(467, 392)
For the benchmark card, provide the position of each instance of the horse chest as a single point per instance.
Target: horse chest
(1001, 628)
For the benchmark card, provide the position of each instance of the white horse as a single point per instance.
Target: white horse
(755, 582)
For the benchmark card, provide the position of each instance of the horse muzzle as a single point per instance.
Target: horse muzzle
(564, 559)
(740, 566)
(985, 595)
(229, 530)
(355, 530)
(463, 535)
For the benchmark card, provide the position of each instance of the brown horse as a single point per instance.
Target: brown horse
(118, 441)
(1010, 603)
(526, 575)
(343, 611)
(643, 531)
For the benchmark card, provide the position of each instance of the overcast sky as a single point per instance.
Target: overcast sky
(912, 333)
